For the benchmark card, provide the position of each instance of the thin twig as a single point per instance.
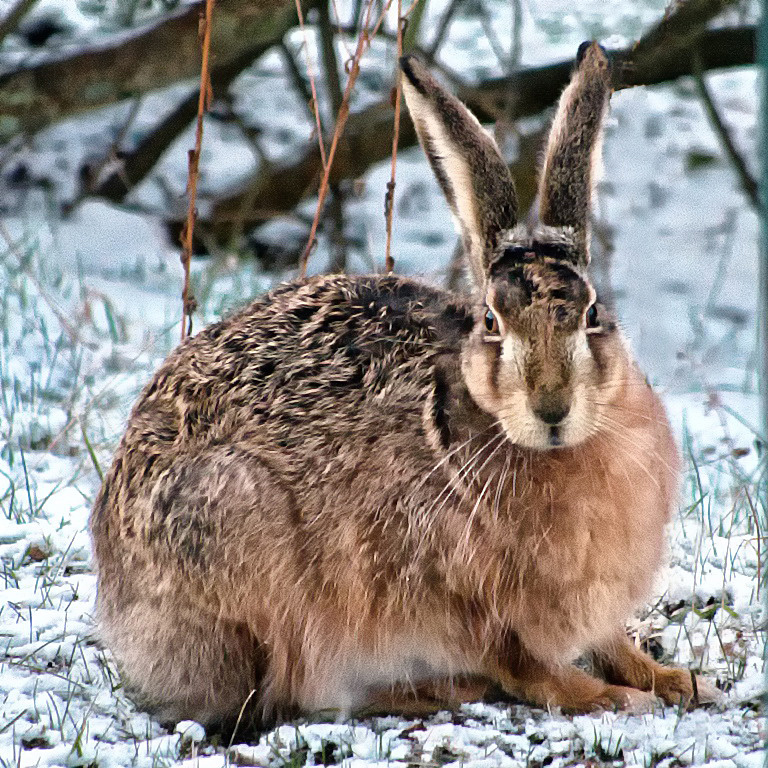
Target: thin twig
(11, 20)
(526, 92)
(338, 29)
(363, 42)
(137, 163)
(389, 197)
(297, 77)
(356, 17)
(330, 61)
(251, 133)
(442, 28)
(95, 173)
(451, 76)
(748, 183)
(516, 42)
(311, 75)
(338, 261)
(498, 49)
(203, 104)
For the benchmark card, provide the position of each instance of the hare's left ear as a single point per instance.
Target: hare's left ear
(467, 163)
(574, 148)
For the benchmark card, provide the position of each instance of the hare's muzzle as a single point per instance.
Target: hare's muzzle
(551, 407)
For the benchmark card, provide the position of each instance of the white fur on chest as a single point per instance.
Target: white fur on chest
(351, 677)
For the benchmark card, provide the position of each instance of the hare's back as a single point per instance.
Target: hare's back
(314, 360)
(308, 392)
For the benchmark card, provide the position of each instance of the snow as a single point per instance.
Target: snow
(90, 306)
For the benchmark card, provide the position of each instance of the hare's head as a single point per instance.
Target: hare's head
(545, 356)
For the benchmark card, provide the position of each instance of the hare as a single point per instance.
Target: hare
(367, 494)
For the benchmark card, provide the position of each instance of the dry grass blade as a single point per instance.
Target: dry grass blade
(315, 107)
(203, 103)
(14, 248)
(353, 69)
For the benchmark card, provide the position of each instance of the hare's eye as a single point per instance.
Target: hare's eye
(491, 323)
(592, 321)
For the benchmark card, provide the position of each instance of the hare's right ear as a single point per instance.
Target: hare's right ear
(467, 163)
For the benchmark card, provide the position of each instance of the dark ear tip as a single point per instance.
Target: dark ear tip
(413, 68)
(591, 45)
(582, 51)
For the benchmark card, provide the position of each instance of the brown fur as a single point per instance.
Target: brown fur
(467, 163)
(567, 179)
(346, 497)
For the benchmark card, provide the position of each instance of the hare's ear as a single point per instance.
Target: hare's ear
(573, 155)
(466, 161)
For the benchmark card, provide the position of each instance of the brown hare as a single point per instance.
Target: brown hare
(365, 493)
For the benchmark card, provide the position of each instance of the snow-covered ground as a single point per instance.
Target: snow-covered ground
(89, 306)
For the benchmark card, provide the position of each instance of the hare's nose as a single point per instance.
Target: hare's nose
(551, 407)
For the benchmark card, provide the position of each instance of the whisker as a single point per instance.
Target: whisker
(451, 487)
(499, 487)
(629, 451)
(451, 453)
(500, 438)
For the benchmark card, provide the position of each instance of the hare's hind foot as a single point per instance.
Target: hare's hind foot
(621, 663)
(574, 691)
(564, 687)
(183, 665)
(424, 698)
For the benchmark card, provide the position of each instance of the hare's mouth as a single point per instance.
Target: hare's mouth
(528, 431)
(555, 438)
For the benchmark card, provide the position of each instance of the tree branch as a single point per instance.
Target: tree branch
(747, 181)
(683, 21)
(11, 20)
(129, 64)
(135, 165)
(369, 133)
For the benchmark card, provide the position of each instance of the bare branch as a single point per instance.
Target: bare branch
(370, 132)
(313, 88)
(330, 61)
(389, 198)
(681, 24)
(203, 105)
(135, 165)
(298, 80)
(132, 63)
(338, 261)
(364, 40)
(747, 181)
(12, 19)
(442, 28)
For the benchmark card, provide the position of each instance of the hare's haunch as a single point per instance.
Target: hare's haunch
(365, 494)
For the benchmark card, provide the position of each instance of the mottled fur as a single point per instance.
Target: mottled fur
(361, 494)
(467, 163)
(574, 152)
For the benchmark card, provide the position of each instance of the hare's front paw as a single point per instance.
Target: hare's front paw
(676, 686)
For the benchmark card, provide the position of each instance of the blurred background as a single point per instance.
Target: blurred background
(97, 115)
